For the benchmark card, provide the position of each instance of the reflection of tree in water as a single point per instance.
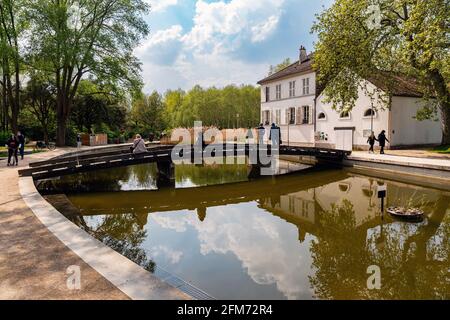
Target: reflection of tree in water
(412, 266)
(125, 234)
(102, 180)
(145, 175)
(339, 249)
(211, 174)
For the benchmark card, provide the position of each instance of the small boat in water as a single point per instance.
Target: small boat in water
(410, 214)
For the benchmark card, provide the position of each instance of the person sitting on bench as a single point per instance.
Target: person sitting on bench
(139, 145)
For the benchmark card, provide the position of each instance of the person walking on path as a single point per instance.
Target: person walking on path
(371, 141)
(382, 141)
(275, 135)
(261, 132)
(139, 145)
(13, 145)
(21, 139)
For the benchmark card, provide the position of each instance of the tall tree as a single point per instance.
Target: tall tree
(12, 26)
(39, 97)
(147, 114)
(91, 37)
(359, 38)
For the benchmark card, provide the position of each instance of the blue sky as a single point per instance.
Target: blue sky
(221, 42)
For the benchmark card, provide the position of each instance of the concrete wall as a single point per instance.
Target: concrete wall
(405, 130)
(327, 126)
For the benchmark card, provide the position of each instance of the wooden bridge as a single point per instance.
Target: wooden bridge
(162, 155)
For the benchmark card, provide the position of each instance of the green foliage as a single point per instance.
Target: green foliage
(146, 116)
(228, 107)
(4, 136)
(71, 136)
(286, 62)
(443, 149)
(410, 37)
(97, 109)
(71, 39)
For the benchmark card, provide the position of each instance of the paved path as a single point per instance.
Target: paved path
(443, 164)
(419, 153)
(33, 261)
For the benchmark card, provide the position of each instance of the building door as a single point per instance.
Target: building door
(344, 139)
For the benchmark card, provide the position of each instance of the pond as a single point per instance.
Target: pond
(307, 235)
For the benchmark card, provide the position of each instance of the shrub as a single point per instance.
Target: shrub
(71, 136)
(3, 137)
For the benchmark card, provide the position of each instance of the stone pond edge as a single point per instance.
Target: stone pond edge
(127, 276)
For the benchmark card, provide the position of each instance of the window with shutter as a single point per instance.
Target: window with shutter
(311, 119)
(299, 115)
(278, 117)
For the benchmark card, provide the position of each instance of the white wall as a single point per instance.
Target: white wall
(405, 130)
(298, 133)
(357, 119)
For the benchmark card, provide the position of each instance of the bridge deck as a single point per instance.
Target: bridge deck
(123, 157)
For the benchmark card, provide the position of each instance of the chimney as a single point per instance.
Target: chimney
(303, 55)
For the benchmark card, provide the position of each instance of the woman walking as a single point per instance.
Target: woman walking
(371, 141)
(12, 144)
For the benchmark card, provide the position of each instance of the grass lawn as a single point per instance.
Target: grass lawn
(442, 149)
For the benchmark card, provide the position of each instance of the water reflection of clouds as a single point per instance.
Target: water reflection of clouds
(173, 256)
(266, 246)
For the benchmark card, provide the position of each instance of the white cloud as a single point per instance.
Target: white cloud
(204, 54)
(173, 256)
(266, 246)
(261, 31)
(161, 5)
(160, 37)
(162, 47)
(225, 26)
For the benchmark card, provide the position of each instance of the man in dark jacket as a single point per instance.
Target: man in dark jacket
(12, 144)
(382, 140)
(275, 135)
(21, 139)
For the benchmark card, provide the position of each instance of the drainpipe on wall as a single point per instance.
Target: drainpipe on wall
(314, 122)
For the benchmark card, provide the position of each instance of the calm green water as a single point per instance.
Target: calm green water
(301, 236)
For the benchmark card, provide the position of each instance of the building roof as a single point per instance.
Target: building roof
(294, 68)
(398, 85)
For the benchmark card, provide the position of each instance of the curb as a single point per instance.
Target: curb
(127, 276)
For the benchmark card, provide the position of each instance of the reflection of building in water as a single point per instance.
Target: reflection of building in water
(306, 206)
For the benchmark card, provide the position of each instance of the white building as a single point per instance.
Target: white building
(291, 99)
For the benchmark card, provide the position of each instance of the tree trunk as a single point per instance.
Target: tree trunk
(45, 129)
(61, 120)
(445, 123)
(61, 131)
